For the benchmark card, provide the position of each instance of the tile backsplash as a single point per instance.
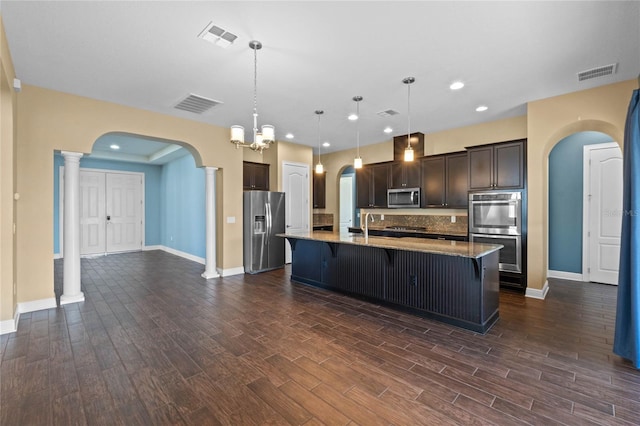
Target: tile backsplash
(432, 223)
(322, 219)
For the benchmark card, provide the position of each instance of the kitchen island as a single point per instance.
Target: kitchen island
(451, 281)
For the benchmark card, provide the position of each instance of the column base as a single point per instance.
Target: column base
(65, 300)
(208, 275)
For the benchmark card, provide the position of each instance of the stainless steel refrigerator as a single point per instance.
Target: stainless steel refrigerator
(263, 219)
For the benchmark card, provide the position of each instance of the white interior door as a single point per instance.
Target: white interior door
(346, 202)
(123, 212)
(295, 185)
(92, 208)
(605, 213)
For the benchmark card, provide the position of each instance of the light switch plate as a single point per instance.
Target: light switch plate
(453, 219)
(231, 219)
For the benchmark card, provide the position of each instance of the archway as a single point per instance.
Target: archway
(176, 199)
(567, 228)
(347, 211)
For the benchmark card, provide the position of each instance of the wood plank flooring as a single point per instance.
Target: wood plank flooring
(155, 344)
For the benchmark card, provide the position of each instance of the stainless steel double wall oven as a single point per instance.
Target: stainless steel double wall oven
(496, 218)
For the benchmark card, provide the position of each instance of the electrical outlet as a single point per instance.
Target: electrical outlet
(453, 219)
(381, 217)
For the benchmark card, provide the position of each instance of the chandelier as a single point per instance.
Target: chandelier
(264, 138)
(357, 162)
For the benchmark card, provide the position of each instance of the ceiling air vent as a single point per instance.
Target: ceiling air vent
(196, 104)
(597, 72)
(218, 36)
(388, 113)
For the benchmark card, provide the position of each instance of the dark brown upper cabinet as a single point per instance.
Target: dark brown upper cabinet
(444, 180)
(405, 174)
(400, 143)
(319, 190)
(372, 181)
(255, 176)
(497, 166)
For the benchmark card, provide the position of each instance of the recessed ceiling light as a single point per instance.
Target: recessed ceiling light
(456, 85)
(482, 108)
(353, 117)
(326, 144)
(114, 146)
(289, 136)
(388, 129)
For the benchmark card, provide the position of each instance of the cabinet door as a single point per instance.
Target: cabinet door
(457, 181)
(255, 176)
(433, 182)
(319, 190)
(481, 168)
(509, 165)
(412, 174)
(363, 187)
(380, 178)
(396, 178)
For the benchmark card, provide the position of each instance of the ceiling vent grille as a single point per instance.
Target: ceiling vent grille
(196, 104)
(218, 36)
(387, 113)
(597, 72)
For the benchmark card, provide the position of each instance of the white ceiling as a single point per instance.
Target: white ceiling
(318, 55)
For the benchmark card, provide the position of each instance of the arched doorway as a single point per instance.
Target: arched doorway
(573, 232)
(158, 181)
(347, 200)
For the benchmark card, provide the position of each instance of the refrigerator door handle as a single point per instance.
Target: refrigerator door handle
(267, 208)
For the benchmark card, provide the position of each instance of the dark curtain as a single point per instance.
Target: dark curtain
(627, 334)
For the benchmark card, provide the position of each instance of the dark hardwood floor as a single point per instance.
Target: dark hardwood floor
(154, 343)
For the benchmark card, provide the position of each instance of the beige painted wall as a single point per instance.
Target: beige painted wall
(603, 109)
(7, 180)
(50, 120)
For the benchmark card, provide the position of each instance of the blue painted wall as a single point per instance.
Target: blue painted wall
(152, 194)
(183, 206)
(565, 200)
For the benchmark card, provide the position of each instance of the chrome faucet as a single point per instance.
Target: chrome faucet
(366, 225)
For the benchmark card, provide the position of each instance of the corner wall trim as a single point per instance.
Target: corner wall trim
(37, 305)
(534, 293)
(572, 276)
(9, 326)
(231, 271)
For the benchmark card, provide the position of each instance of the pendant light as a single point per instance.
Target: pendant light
(261, 140)
(357, 162)
(319, 167)
(408, 152)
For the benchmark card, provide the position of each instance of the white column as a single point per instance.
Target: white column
(210, 211)
(71, 239)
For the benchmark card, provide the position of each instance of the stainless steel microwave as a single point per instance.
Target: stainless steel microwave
(403, 198)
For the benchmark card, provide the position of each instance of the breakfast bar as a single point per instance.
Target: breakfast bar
(451, 281)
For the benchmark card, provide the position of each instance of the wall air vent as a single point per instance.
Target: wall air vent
(218, 36)
(196, 104)
(597, 72)
(387, 113)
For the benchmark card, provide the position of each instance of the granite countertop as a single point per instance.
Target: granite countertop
(414, 231)
(450, 248)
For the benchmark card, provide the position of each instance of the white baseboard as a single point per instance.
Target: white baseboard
(149, 248)
(10, 326)
(572, 276)
(57, 256)
(534, 293)
(231, 271)
(191, 257)
(37, 305)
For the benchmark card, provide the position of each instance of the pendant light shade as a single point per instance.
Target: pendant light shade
(319, 166)
(264, 138)
(408, 152)
(357, 162)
